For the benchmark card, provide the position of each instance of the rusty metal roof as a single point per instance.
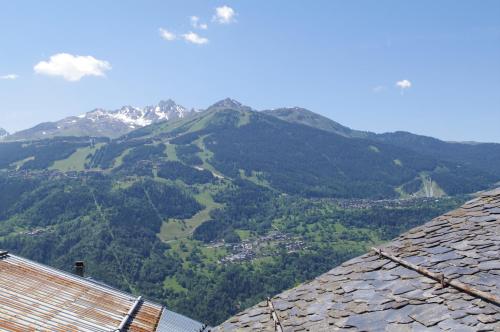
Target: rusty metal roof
(34, 297)
(442, 276)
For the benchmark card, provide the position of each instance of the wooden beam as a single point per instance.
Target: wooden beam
(274, 316)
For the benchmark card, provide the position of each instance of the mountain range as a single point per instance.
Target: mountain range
(105, 123)
(292, 150)
(228, 202)
(483, 156)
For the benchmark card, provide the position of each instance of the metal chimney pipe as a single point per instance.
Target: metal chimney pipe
(80, 268)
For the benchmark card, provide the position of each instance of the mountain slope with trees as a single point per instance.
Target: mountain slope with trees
(170, 210)
(480, 156)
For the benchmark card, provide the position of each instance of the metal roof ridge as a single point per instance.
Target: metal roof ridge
(19, 262)
(69, 275)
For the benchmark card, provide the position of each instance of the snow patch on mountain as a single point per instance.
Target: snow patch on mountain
(139, 117)
(109, 123)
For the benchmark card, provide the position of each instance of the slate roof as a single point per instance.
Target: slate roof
(374, 293)
(34, 297)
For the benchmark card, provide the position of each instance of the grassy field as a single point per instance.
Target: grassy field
(244, 119)
(185, 247)
(172, 284)
(243, 234)
(75, 162)
(171, 152)
(205, 155)
(175, 229)
(256, 177)
(200, 122)
(119, 161)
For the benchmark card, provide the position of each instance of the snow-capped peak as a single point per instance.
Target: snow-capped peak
(106, 123)
(139, 117)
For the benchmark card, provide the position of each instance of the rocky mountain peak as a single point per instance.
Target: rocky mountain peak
(228, 103)
(109, 123)
(169, 103)
(140, 117)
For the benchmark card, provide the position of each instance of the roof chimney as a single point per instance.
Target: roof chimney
(80, 268)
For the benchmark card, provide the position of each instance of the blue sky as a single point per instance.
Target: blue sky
(341, 59)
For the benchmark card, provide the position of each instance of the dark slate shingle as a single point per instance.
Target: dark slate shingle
(372, 293)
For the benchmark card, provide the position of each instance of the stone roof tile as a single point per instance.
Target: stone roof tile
(374, 293)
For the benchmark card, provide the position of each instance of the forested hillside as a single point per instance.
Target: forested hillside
(137, 234)
(479, 156)
(212, 213)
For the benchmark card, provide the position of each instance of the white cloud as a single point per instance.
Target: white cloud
(224, 15)
(194, 38)
(72, 67)
(195, 23)
(9, 77)
(404, 84)
(167, 35)
(379, 88)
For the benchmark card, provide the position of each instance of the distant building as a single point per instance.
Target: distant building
(34, 297)
(442, 276)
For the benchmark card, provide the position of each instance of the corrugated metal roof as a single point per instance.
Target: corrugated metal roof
(411, 285)
(34, 297)
(171, 321)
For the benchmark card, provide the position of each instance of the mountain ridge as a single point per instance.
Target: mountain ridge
(105, 123)
(235, 141)
(181, 201)
(128, 118)
(292, 150)
(481, 155)
(312, 119)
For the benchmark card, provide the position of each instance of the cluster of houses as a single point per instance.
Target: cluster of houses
(382, 203)
(263, 246)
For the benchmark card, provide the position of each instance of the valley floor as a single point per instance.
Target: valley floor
(205, 250)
